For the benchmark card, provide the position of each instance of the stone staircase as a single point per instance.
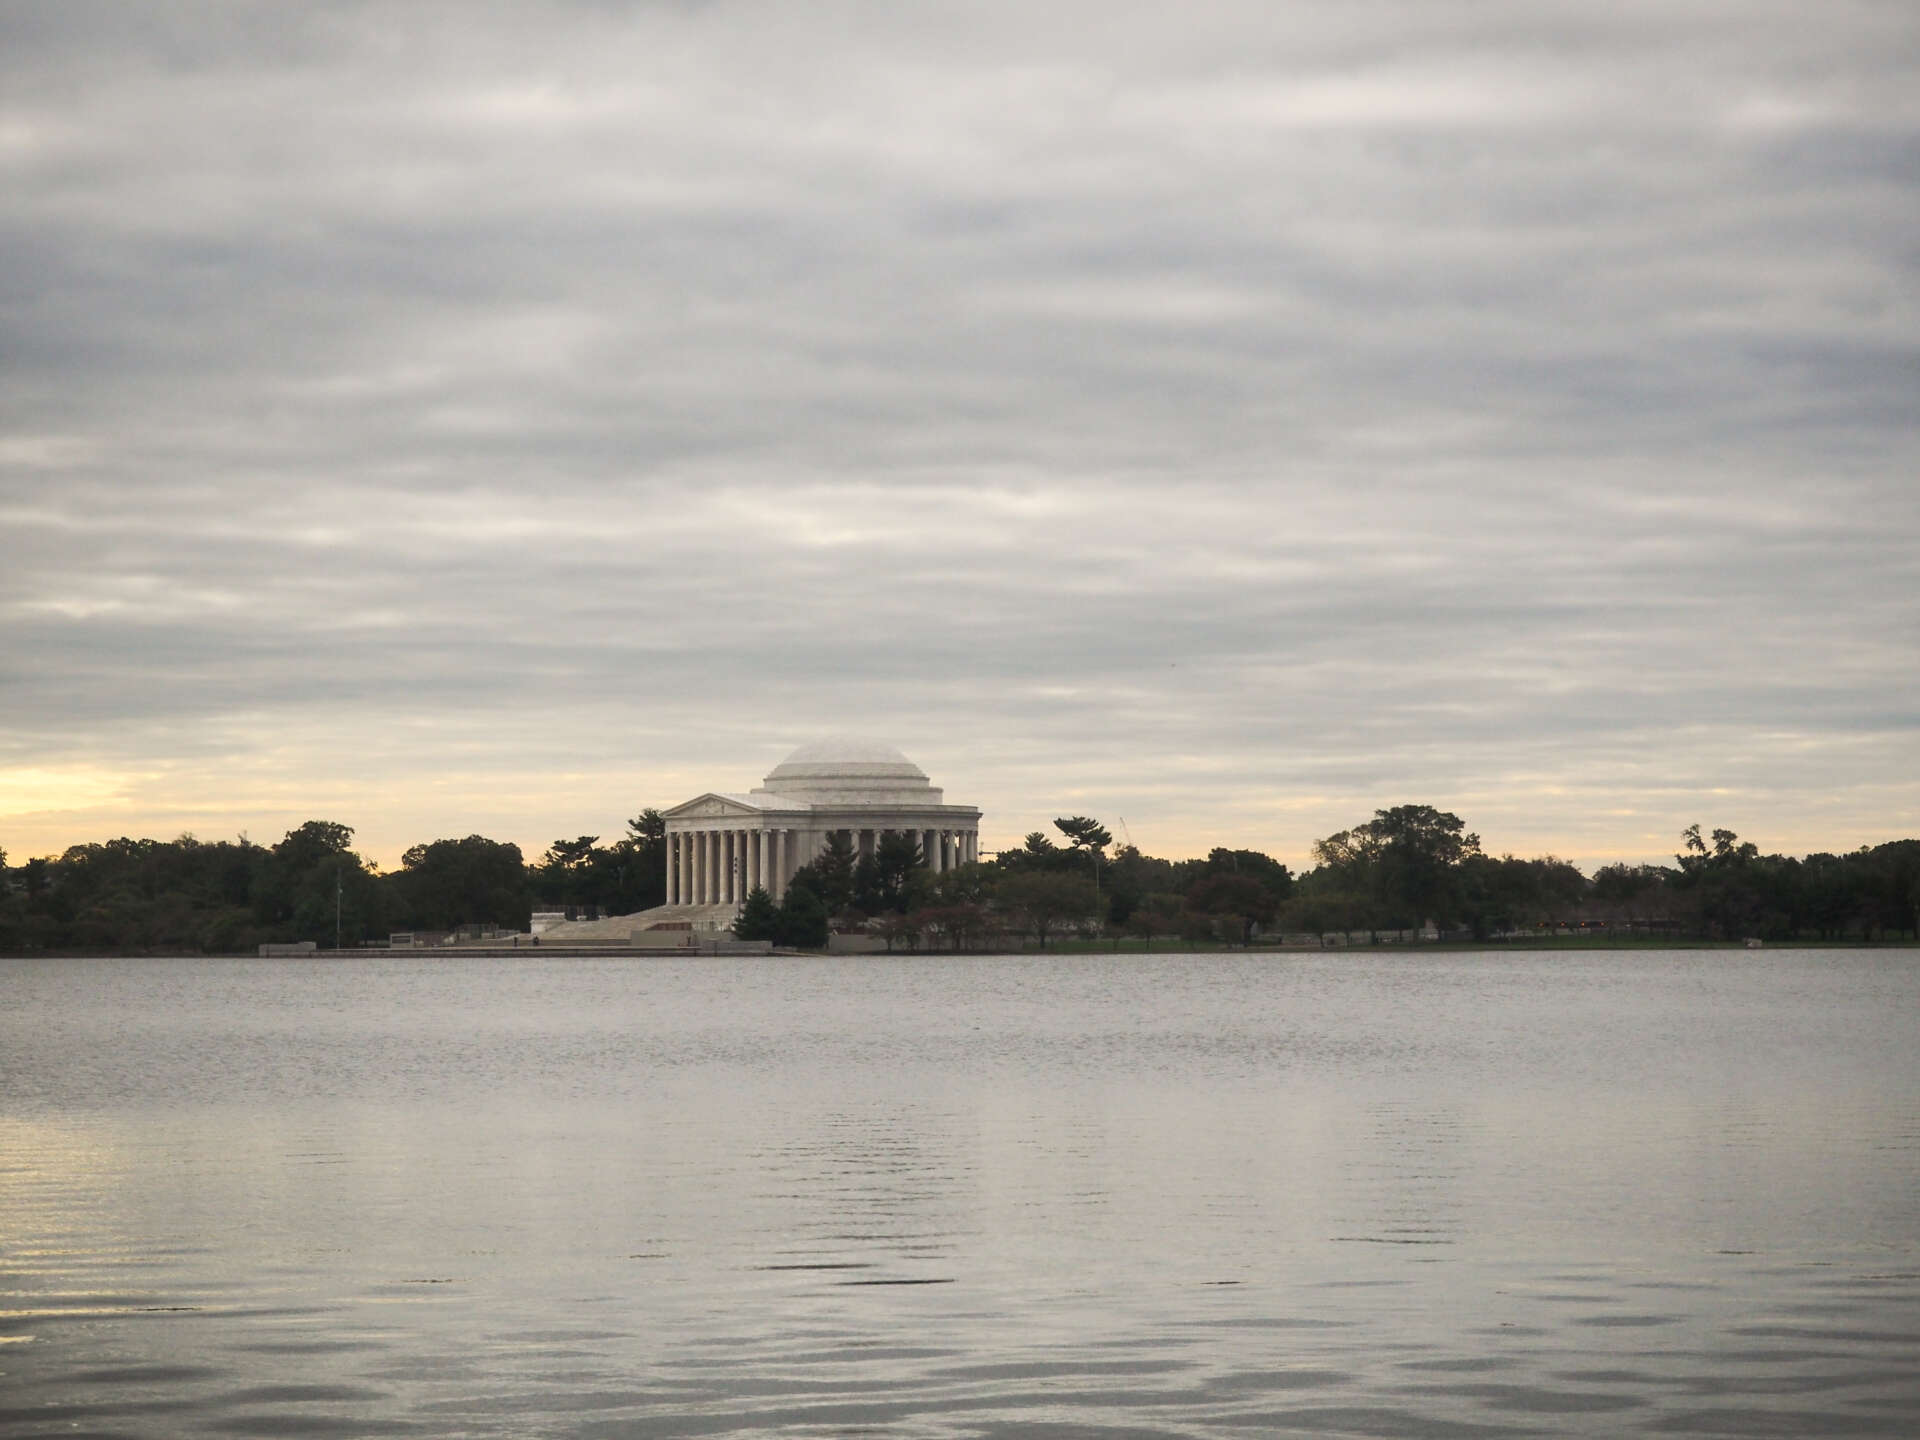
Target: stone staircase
(703, 920)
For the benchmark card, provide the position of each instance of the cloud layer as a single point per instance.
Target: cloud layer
(503, 417)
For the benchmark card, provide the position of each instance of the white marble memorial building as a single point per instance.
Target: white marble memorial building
(721, 845)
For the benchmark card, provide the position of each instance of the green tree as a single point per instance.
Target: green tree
(880, 880)
(289, 878)
(1087, 837)
(649, 827)
(1511, 894)
(1242, 897)
(644, 855)
(619, 879)
(969, 884)
(565, 873)
(1084, 832)
(1038, 903)
(315, 840)
(1421, 852)
(1620, 883)
(758, 918)
(1038, 853)
(803, 917)
(1405, 862)
(1895, 868)
(1255, 865)
(1131, 877)
(12, 911)
(458, 882)
(1725, 883)
(829, 875)
(339, 899)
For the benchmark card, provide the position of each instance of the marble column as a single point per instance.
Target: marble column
(673, 872)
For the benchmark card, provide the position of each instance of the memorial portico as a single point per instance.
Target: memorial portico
(721, 846)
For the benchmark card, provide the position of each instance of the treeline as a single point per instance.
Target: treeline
(1414, 864)
(188, 895)
(1410, 872)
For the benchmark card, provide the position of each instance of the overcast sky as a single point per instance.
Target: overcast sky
(1229, 418)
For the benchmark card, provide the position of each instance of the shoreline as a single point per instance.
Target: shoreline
(614, 950)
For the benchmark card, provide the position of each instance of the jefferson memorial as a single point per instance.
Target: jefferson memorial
(721, 845)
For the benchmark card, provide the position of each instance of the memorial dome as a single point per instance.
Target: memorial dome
(846, 768)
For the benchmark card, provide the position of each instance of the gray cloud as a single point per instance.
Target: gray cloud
(516, 415)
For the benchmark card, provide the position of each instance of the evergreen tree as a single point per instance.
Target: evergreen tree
(829, 874)
(802, 918)
(881, 879)
(758, 919)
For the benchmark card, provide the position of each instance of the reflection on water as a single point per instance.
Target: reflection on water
(1457, 1196)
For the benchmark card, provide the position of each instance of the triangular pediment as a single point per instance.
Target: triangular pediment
(711, 807)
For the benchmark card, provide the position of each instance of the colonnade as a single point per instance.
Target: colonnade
(720, 867)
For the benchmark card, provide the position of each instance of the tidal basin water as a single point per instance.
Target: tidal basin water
(1424, 1195)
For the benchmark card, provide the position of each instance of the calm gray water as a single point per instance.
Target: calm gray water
(1596, 1194)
